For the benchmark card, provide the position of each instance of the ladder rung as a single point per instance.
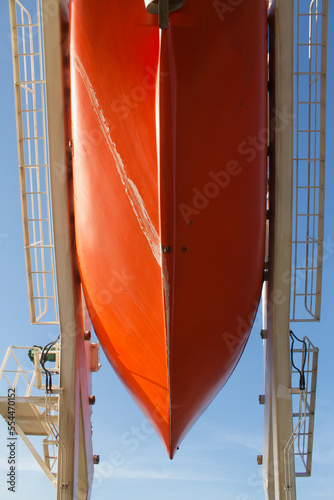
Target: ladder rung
(310, 414)
(311, 14)
(43, 297)
(28, 25)
(312, 44)
(36, 245)
(31, 138)
(30, 82)
(29, 54)
(35, 220)
(35, 166)
(308, 73)
(309, 130)
(29, 110)
(36, 192)
(40, 272)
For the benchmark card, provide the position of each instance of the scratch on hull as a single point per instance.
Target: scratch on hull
(166, 288)
(131, 189)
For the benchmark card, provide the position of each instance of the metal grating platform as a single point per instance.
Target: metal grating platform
(35, 413)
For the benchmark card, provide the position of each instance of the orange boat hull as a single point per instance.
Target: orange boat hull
(169, 174)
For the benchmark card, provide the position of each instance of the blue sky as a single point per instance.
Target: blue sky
(217, 460)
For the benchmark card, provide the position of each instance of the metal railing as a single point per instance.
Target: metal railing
(13, 367)
(15, 374)
(30, 101)
(303, 404)
(309, 158)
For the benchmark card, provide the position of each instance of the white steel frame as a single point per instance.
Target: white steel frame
(301, 440)
(74, 410)
(304, 409)
(28, 65)
(296, 213)
(75, 463)
(12, 367)
(276, 294)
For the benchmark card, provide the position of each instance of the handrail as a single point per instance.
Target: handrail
(10, 371)
(300, 444)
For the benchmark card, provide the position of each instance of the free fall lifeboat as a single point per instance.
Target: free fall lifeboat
(169, 177)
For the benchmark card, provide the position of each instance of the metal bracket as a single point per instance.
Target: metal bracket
(163, 10)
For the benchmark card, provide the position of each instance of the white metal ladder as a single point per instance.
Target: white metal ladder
(309, 158)
(30, 101)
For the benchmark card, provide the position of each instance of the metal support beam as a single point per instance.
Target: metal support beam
(75, 462)
(278, 480)
(58, 171)
(36, 456)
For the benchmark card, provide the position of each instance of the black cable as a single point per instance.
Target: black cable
(45, 352)
(302, 371)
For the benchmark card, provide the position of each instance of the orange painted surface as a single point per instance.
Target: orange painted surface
(169, 194)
